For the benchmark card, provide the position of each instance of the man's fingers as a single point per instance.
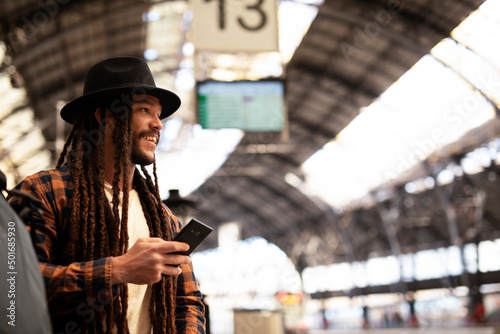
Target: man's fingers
(171, 271)
(171, 259)
(171, 247)
(163, 246)
(147, 259)
(151, 240)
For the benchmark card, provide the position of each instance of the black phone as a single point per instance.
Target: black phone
(192, 234)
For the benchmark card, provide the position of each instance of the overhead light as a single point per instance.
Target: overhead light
(153, 15)
(151, 54)
(184, 79)
(223, 74)
(188, 49)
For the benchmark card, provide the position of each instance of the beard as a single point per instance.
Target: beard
(140, 158)
(137, 156)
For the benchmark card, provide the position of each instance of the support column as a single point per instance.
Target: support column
(446, 199)
(366, 318)
(476, 304)
(476, 308)
(413, 320)
(390, 218)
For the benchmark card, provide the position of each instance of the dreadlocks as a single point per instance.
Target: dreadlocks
(96, 229)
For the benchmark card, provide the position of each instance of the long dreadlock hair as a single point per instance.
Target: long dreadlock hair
(96, 229)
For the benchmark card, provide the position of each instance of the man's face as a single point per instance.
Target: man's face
(146, 126)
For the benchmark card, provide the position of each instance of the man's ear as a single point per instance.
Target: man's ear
(108, 119)
(98, 114)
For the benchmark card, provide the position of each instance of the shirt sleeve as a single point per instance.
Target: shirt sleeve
(190, 315)
(190, 310)
(68, 287)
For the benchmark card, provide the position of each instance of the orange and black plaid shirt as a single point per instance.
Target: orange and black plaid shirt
(76, 290)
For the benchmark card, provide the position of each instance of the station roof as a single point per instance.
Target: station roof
(351, 54)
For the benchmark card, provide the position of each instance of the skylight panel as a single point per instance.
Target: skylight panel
(445, 95)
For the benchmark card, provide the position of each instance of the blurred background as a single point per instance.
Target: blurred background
(345, 152)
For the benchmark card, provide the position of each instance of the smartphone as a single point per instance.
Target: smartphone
(192, 234)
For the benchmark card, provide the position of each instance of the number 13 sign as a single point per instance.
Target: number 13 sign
(235, 25)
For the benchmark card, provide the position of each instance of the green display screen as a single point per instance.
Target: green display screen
(254, 106)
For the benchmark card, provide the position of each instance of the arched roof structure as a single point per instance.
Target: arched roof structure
(353, 51)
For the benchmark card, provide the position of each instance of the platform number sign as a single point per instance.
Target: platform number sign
(235, 25)
(257, 7)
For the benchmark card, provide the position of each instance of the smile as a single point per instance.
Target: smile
(152, 139)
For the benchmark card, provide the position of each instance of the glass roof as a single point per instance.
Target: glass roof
(449, 92)
(21, 140)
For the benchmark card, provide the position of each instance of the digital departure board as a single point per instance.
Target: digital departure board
(253, 106)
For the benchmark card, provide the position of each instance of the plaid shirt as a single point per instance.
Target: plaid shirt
(76, 290)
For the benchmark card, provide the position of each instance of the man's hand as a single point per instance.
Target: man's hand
(147, 260)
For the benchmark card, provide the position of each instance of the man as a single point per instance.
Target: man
(103, 236)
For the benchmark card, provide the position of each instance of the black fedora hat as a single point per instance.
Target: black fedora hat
(111, 77)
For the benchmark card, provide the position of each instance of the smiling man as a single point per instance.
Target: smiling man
(102, 235)
(146, 107)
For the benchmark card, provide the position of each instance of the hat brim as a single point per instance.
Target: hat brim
(169, 101)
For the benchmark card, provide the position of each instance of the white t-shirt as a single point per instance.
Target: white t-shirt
(139, 296)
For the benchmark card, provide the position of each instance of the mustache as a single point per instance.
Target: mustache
(148, 133)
